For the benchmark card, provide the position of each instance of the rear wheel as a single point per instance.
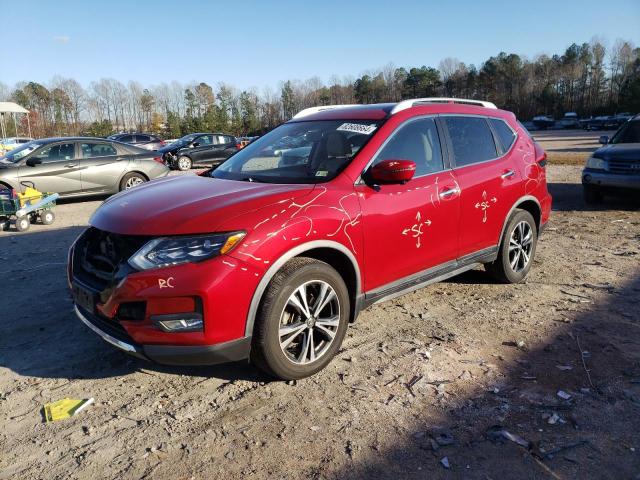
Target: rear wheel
(184, 163)
(47, 217)
(131, 180)
(517, 249)
(592, 195)
(302, 320)
(23, 223)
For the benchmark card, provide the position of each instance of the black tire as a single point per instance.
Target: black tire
(47, 217)
(131, 180)
(592, 195)
(266, 352)
(184, 163)
(23, 223)
(4, 224)
(502, 268)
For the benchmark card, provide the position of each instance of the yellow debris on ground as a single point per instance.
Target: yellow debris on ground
(65, 408)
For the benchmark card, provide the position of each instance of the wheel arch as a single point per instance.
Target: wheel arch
(333, 253)
(528, 203)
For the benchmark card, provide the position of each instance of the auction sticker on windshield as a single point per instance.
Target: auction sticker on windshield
(357, 128)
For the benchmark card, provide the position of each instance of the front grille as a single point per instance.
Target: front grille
(625, 167)
(100, 258)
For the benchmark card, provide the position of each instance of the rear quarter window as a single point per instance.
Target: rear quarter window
(471, 140)
(504, 132)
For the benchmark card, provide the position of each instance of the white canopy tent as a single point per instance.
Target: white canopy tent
(13, 109)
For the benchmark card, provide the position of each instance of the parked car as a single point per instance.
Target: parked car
(75, 166)
(269, 261)
(615, 167)
(602, 122)
(142, 140)
(570, 120)
(543, 122)
(199, 149)
(11, 143)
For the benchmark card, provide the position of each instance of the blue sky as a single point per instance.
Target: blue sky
(258, 43)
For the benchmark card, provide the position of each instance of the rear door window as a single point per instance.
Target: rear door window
(91, 150)
(142, 138)
(504, 132)
(471, 140)
(417, 141)
(126, 139)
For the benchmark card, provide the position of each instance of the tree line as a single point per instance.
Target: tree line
(589, 79)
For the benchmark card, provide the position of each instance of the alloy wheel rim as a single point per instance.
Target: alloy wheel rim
(309, 322)
(520, 246)
(184, 163)
(133, 182)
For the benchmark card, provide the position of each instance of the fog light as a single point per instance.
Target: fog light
(586, 178)
(179, 322)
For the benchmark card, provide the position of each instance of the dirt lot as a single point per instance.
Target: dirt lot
(426, 386)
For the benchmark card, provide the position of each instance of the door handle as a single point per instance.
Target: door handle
(507, 174)
(449, 192)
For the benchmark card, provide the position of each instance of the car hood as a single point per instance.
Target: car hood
(171, 147)
(619, 151)
(4, 163)
(186, 205)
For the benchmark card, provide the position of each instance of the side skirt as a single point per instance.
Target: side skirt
(426, 277)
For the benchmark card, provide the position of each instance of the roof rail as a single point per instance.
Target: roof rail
(403, 105)
(312, 110)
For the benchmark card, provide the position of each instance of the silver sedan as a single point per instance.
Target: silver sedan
(79, 166)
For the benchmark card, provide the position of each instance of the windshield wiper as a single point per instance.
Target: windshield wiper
(252, 180)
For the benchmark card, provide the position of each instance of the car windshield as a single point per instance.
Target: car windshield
(628, 133)
(299, 152)
(23, 150)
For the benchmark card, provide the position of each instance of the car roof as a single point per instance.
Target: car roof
(69, 139)
(381, 111)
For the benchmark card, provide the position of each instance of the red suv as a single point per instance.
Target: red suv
(272, 254)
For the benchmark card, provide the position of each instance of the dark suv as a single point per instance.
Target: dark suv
(141, 140)
(209, 149)
(615, 167)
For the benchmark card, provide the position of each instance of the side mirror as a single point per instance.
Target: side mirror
(33, 161)
(195, 144)
(604, 139)
(390, 172)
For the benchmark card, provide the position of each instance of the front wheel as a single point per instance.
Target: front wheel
(23, 223)
(302, 320)
(517, 249)
(184, 163)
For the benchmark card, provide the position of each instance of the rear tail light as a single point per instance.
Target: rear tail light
(162, 143)
(238, 146)
(541, 155)
(159, 160)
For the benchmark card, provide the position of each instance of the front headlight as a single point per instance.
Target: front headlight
(170, 251)
(596, 163)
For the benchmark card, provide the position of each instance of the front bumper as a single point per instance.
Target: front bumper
(231, 351)
(613, 180)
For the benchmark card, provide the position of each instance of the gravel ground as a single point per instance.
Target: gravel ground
(434, 384)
